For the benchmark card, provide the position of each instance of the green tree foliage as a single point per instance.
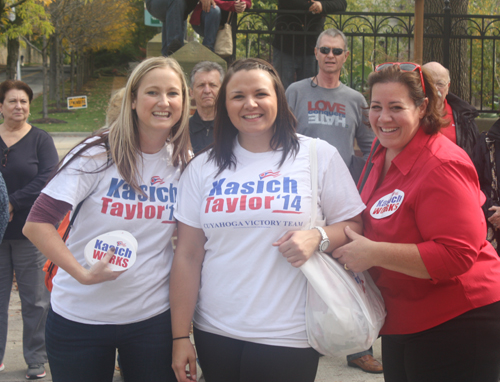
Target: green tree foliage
(23, 18)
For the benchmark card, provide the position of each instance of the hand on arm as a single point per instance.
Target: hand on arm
(495, 218)
(362, 254)
(298, 246)
(45, 237)
(184, 284)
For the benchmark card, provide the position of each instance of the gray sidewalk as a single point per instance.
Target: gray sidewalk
(330, 369)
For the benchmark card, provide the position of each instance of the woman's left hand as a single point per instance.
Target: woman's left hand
(356, 254)
(298, 246)
(495, 218)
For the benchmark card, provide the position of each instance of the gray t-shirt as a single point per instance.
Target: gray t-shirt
(337, 116)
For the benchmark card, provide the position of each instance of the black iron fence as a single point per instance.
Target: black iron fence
(467, 44)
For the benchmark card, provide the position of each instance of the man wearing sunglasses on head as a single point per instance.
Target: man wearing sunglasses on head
(330, 110)
(462, 129)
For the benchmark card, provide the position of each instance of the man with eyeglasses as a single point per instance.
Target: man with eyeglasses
(293, 54)
(462, 129)
(330, 110)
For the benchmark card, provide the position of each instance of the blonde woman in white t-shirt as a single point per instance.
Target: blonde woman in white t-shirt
(127, 178)
(241, 209)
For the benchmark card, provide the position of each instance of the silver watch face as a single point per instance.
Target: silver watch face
(323, 246)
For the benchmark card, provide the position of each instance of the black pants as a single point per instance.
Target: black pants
(464, 349)
(224, 359)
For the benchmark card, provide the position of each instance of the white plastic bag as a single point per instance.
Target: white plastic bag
(344, 310)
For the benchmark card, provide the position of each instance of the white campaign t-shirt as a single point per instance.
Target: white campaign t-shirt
(111, 204)
(248, 290)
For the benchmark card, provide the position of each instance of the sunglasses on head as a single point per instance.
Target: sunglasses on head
(335, 51)
(405, 67)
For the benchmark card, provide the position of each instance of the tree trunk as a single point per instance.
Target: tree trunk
(12, 57)
(58, 72)
(72, 70)
(53, 63)
(61, 71)
(79, 72)
(45, 108)
(433, 48)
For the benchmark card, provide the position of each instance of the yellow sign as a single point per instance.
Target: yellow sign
(78, 102)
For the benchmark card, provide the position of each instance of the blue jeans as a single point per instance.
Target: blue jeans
(82, 352)
(293, 68)
(209, 27)
(27, 261)
(171, 14)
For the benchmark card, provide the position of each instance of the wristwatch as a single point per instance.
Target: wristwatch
(325, 242)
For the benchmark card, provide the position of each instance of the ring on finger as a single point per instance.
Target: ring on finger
(346, 267)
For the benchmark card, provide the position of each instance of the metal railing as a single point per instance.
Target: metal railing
(468, 44)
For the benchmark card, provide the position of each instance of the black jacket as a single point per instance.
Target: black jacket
(295, 44)
(201, 132)
(465, 126)
(488, 179)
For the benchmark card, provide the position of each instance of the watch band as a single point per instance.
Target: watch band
(324, 238)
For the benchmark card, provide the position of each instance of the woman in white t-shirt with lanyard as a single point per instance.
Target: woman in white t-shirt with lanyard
(127, 178)
(241, 210)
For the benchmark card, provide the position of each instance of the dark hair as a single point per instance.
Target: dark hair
(284, 136)
(433, 120)
(8, 85)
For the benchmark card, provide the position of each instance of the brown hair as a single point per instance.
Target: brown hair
(433, 120)
(8, 85)
(284, 136)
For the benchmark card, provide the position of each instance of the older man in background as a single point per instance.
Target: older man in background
(462, 129)
(206, 79)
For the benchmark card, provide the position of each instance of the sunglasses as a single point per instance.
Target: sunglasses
(4, 159)
(335, 51)
(405, 67)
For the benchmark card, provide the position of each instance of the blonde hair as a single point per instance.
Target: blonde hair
(124, 134)
(114, 107)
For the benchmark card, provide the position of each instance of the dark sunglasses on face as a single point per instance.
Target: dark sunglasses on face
(405, 67)
(335, 51)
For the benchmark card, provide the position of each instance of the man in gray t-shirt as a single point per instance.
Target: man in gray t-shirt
(330, 110)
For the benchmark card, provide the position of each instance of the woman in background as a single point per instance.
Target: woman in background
(28, 157)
